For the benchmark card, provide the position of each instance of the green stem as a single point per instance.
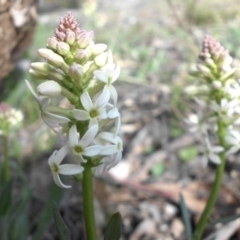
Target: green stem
(88, 206)
(216, 186)
(6, 170)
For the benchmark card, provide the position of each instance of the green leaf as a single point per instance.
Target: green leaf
(6, 197)
(61, 227)
(186, 218)
(114, 228)
(46, 215)
(187, 154)
(158, 169)
(226, 219)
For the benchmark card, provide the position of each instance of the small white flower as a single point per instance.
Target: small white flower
(93, 110)
(80, 147)
(113, 113)
(211, 153)
(195, 124)
(54, 162)
(105, 164)
(233, 139)
(233, 89)
(225, 109)
(49, 88)
(114, 150)
(109, 76)
(52, 120)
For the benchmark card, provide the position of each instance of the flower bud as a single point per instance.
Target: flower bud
(101, 59)
(41, 67)
(229, 74)
(216, 84)
(49, 88)
(196, 90)
(76, 71)
(63, 48)
(60, 35)
(203, 69)
(210, 63)
(57, 61)
(84, 38)
(52, 43)
(237, 73)
(70, 37)
(55, 76)
(225, 58)
(97, 49)
(92, 68)
(37, 75)
(44, 52)
(194, 71)
(81, 56)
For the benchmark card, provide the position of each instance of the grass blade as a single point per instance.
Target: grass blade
(61, 227)
(46, 215)
(186, 217)
(6, 198)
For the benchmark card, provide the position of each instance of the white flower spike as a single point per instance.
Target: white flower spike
(54, 162)
(80, 147)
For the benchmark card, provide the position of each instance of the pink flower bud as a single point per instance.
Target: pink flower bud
(60, 35)
(84, 38)
(81, 56)
(52, 43)
(70, 37)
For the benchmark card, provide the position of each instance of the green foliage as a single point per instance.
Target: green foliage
(158, 169)
(231, 39)
(46, 215)
(188, 154)
(201, 14)
(61, 227)
(6, 197)
(114, 228)
(226, 219)
(204, 13)
(14, 223)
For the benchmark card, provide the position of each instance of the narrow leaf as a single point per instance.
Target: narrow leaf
(61, 227)
(114, 228)
(186, 218)
(6, 197)
(46, 215)
(226, 219)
